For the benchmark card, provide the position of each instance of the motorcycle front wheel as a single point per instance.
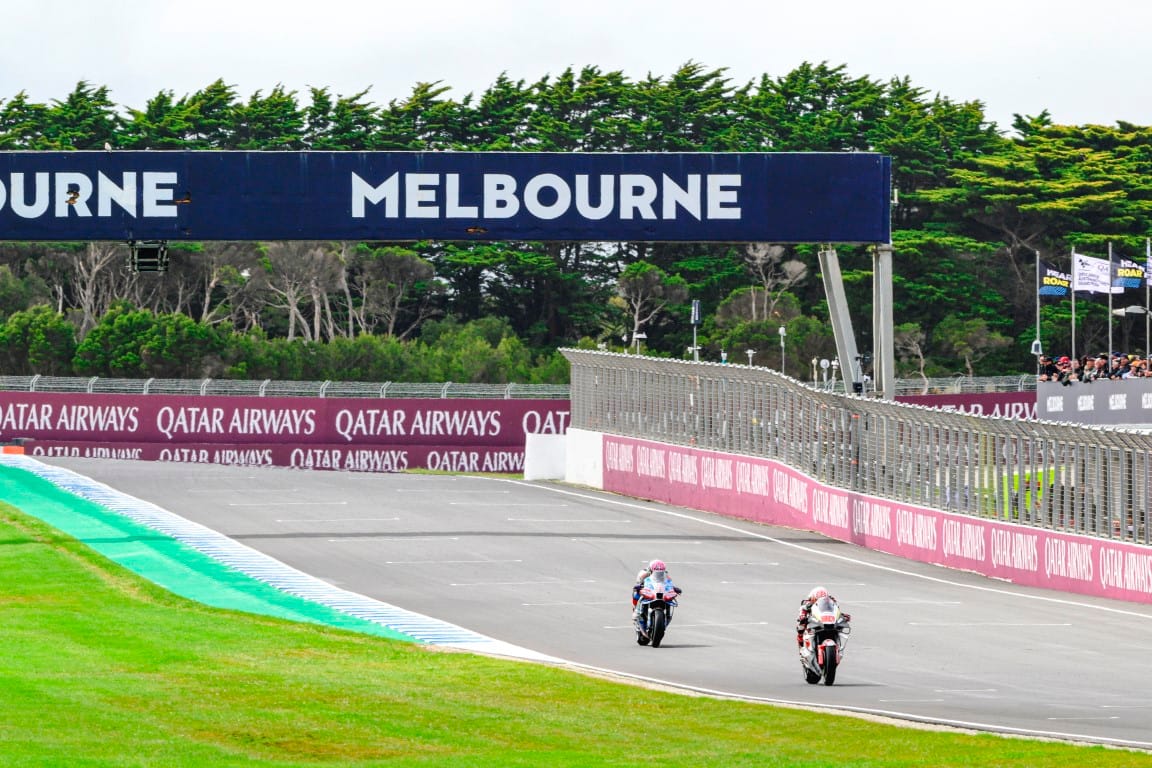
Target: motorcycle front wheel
(656, 628)
(829, 666)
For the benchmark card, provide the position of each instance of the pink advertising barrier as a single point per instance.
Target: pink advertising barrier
(373, 458)
(769, 492)
(373, 435)
(1006, 405)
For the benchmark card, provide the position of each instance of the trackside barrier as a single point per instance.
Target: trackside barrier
(355, 434)
(1035, 502)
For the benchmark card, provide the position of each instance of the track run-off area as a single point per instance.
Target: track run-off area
(543, 571)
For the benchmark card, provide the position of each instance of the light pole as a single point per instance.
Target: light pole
(750, 353)
(783, 332)
(835, 368)
(815, 362)
(636, 337)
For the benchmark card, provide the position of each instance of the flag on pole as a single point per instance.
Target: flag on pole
(1091, 275)
(1126, 275)
(1053, 282)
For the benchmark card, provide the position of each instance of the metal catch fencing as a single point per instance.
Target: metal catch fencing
(275, 388)
(1066, 477)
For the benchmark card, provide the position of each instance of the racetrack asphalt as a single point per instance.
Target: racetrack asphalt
(549, 567)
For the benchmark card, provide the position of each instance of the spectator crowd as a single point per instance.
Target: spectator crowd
(1069, 371)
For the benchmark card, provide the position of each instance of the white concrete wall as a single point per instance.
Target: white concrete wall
(584, 463)
(544, 457)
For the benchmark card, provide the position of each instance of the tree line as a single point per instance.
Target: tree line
(975, 205)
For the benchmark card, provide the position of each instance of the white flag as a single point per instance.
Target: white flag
(1092, 275)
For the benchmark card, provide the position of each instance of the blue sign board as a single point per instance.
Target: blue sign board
(449, 196)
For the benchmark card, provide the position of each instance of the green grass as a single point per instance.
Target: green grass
(102, 668)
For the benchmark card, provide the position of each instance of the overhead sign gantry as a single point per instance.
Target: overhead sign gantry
(457, 196)
(148, 199)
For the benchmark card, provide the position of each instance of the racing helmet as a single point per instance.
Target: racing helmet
(817, 593)
(657, 569)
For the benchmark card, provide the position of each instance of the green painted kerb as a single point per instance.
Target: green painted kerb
(164, 560)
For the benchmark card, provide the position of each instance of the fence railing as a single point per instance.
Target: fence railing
(276, 388)
(1080, 479)
(273, 388)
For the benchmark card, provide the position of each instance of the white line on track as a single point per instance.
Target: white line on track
(907, 601)
(447, 562)
(441, 491)
(562, 520)
(647, 542)
(981, 624)
(384, 537)
(1125, 706)
(559, 602)
(911, 716)
(796, 584)
(910, 701)
(1111, 717)
(535, 582)
(334, 519)
(231, 491)
(818, 552)
(721, 563)
(505, 505)
(288, 504)
(696, 626)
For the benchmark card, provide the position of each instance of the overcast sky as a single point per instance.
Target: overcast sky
(1083, 62)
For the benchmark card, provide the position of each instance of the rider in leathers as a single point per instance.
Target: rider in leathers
(806, 608)
(657, 571)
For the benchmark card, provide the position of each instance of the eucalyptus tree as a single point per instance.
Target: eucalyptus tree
(969, 339)
(100, 277)
(395, 287)
(647, 290)
(298, 277)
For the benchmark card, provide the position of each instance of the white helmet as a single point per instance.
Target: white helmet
(817, 593)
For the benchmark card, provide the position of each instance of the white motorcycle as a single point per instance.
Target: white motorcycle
(657, 602)
(822, 649)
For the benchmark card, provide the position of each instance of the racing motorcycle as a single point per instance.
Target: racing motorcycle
(823, 642)
(656, 608)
